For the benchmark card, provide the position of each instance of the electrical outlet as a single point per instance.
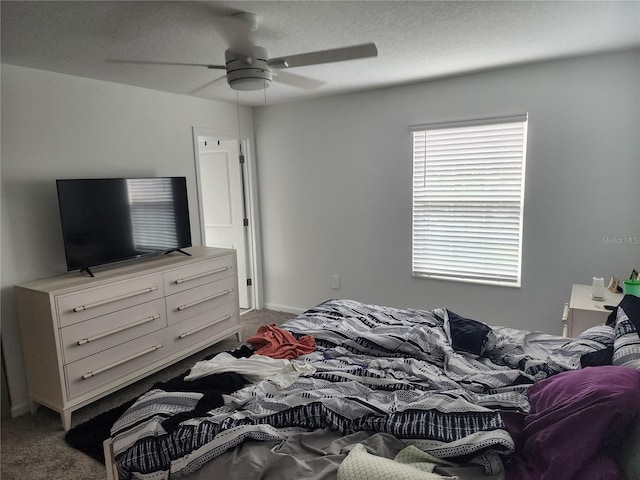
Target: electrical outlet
(335, 281)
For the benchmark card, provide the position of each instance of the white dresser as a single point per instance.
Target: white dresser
(583, 312)
(84, 337)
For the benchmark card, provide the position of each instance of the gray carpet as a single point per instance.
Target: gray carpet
(33, 446)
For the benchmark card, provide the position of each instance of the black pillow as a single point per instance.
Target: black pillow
(467, 335)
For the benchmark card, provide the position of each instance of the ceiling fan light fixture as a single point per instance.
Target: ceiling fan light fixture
(248, 72)
(249, 84)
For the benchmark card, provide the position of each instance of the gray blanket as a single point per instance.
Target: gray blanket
(313, 455)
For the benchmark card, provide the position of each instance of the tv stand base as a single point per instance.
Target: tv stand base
(177, 250)
(88, 270)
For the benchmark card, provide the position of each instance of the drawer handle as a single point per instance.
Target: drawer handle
(200, 275)
(120, 362)
(186, 334)
(117, 330)
(206, 299)
(114, 299)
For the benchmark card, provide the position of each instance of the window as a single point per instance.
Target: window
(468, 199)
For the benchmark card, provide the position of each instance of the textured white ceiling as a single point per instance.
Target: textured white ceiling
(417, 41)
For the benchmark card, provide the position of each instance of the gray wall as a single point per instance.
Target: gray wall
(60, 126)
(336, 189)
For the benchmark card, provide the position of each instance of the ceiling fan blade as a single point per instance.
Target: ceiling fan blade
(298, 81)
(325, 56)
(151, 62)
(205, 85)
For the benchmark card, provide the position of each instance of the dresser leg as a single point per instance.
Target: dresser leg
(65, 415)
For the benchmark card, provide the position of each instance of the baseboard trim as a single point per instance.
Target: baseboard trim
(21, 409)
(284, 308)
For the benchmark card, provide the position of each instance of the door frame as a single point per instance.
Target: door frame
(250, 189)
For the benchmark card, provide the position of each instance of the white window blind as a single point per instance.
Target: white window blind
(468, 199)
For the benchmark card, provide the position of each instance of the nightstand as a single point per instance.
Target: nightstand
(583, 312)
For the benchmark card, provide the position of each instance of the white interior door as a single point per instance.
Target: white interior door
(222, 201)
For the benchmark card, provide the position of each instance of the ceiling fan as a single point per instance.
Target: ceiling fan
(248, 66)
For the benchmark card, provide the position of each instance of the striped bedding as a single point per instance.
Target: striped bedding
(433, 379)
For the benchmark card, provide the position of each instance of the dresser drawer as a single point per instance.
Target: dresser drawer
(219, 323)
(97, 334)
(110, 365)
(93, 302)
(195, 301)
(190, 276)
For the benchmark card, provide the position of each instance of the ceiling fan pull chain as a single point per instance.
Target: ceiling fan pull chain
(239, 125)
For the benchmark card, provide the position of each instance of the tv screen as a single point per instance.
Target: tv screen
(107, 220)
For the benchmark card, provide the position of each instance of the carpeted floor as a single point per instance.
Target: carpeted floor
(33, 447)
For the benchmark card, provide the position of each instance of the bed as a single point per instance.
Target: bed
(367, 391)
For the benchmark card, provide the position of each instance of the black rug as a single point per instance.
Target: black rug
(89, 436)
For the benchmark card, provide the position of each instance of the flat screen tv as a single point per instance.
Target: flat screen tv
(107, 220)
